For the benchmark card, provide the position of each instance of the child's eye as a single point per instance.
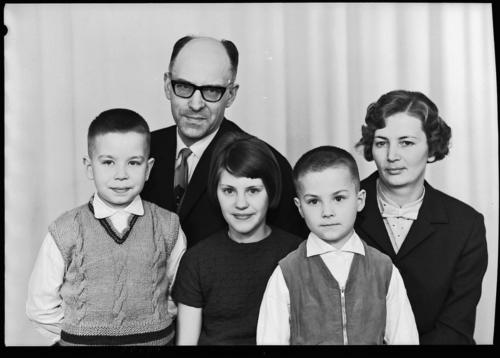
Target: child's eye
(312, 201)
(227, 190)
(254, 190)
(339, 198)
(379, 144)
(107, 162)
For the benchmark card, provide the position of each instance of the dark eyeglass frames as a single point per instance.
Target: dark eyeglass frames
(185, 89)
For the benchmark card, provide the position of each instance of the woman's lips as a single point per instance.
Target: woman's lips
(394, 171)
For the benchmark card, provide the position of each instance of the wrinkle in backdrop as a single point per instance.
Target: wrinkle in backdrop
(307, 73)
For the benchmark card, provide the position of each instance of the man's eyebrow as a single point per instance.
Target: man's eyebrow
(180, 79)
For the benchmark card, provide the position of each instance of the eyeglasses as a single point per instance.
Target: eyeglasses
(185, 89)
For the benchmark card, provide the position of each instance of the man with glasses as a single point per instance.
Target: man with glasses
(200, 85)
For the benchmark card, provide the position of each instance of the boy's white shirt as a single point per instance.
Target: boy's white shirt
(273, 327)
(44, 304)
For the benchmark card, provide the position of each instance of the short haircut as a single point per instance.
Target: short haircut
(324, 157)
(232, 52)
(243, 155)
(119, 120)
(415, 104)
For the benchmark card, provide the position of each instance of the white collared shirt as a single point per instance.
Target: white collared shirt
(273, 327)
(44, 303)
(197, 149)
(338, 261)
(397, 228)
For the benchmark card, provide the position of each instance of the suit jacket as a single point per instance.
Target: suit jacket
(198, 216)
(442, 261)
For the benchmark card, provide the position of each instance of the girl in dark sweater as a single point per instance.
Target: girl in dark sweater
(221, 280)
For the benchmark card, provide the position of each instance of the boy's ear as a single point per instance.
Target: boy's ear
(361, 199)
(149, 165)
(297, 204)
(167, 86)
(87, 163)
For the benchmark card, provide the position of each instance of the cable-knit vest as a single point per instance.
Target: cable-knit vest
(115, 293)
(321, 314)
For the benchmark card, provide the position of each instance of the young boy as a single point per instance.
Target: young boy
(104, 271)
(334, 289)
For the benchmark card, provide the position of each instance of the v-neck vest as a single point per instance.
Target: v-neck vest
(111, 288)
(321, 314)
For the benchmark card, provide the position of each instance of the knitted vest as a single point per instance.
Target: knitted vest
(320, 314)
(115, 293)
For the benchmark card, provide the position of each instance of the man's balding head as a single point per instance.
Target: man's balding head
(227, 45)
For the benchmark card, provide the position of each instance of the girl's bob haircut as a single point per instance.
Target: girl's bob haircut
(243, 155)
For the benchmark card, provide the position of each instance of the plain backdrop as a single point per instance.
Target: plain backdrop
(307, 74)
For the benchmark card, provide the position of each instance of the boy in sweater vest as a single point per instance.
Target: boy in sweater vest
(334, 289)
(105, 269)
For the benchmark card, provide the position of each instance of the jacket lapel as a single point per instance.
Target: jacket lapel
(162, 180)
(370, 220)
(431, 212)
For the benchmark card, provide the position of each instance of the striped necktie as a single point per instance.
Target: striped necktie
(181, 178)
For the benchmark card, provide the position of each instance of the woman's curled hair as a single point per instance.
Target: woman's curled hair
(415, 104)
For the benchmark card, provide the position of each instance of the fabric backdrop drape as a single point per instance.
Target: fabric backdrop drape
(307, 74)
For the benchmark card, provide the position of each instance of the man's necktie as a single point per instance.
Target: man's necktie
(181, 178)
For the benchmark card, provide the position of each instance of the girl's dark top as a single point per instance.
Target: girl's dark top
(227, 280)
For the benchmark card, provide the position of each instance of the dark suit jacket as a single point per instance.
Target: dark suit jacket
(199, 217)
(442, 261)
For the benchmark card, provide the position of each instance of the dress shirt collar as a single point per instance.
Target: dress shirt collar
(198, 147)
(316, 246)
(386, 204)
(103, 210)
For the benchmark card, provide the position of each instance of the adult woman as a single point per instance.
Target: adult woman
(437, 242)
(221, 279)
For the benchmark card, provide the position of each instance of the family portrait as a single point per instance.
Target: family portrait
(250, 174)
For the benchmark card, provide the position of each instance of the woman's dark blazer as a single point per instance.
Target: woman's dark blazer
(442, 261)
